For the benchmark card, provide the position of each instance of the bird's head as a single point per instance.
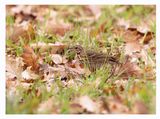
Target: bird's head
(74, 51)
(77, 49)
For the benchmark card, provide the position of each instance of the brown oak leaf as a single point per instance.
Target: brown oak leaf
(30, 58)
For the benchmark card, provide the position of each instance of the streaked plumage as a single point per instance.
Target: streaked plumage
(93, 58)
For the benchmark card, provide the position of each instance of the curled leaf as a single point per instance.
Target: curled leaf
(30, 58)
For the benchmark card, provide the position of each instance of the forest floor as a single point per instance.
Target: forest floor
(42, 78)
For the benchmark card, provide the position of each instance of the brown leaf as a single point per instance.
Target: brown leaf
(131, 69)
(10, 84)
(147, 37)
(13, 68)
(76, 108)
(47, 106)
(122, 9)
(54, 27)
(21, 13)
(136, 50)
(21, 8)
(12, 91)
(95, 10)
(140, 108)
(30, 58)
(116, 106)
(29, 75)
(132, 47)
(87, 103)
(76, 68)
(21, 16)
(131, 34)
(24, 31)
(51, 72)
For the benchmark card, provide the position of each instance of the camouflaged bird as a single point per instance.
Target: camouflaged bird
(95, 60)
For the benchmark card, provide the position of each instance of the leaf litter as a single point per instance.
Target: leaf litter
(39, 69)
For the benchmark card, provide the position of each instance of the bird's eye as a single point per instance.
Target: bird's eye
(78, 52)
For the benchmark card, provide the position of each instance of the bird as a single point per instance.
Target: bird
(94, 60)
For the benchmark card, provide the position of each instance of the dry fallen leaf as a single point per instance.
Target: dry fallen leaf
(75, 67)
(21, 16)
(132, 47)
(57, 59)
(131, 69)
(24, 31)
(87, 103)
(29, 75)
(13, 68)
(10, 76)
(76, 108)
(47, 106)
(59, 74)
(136, 50)
(21, 13)
(131, 34)
(121, 9)
(58, 28)
(116, 106)
(21, 8)
(94, 9)
(30, 58)
(12, 91)
(140, 108)
(147, 37)
(50, 72)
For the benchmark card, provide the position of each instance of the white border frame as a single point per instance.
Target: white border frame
(75, 2)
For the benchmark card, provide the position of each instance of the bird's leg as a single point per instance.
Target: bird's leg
(112, 73)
